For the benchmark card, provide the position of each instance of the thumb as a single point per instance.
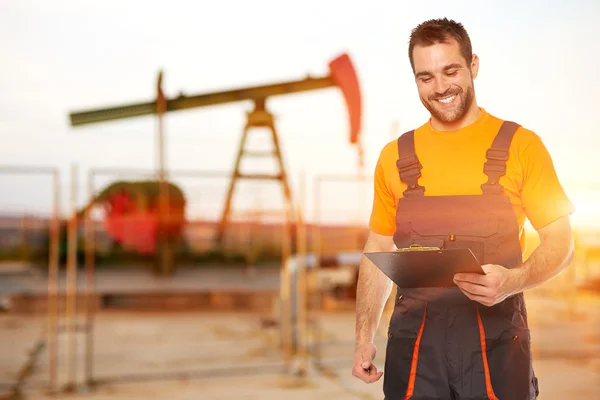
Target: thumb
(487, 268)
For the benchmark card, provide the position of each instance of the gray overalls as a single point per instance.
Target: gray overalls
(442, 345)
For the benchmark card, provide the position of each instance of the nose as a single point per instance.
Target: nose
(441, 85)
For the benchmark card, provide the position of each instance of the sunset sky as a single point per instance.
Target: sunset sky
(539, 67)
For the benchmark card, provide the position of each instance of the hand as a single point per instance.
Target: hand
(492, 288)
(363, 367)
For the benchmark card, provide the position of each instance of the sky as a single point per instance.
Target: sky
(538, 66)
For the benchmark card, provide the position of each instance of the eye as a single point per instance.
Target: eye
(452, 73)
(426, 80)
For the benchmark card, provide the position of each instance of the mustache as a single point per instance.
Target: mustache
(447, 93)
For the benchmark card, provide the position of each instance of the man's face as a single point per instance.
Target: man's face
(444, 80)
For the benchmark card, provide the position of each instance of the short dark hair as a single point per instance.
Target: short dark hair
(440, 31)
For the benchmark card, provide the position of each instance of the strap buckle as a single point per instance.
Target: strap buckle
(414, 190)
(490, 188)
(410, 173)
(497, 154)
(407, 161)
(488, 167)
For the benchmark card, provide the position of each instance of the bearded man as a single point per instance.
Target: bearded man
(464, 179)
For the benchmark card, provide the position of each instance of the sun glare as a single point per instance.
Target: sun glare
(587, 209)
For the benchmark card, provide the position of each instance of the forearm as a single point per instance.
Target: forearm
(551, 257)
(372, 292)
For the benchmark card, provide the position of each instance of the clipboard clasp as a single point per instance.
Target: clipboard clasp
(418, 247)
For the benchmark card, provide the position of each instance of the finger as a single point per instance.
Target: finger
(469, 295)
(361, 374)
(363, 367)
(473, 278)
(477, 290)
(480, 299)
(373, 375)
(487, 268)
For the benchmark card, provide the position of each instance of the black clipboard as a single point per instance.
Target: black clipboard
(419, 268)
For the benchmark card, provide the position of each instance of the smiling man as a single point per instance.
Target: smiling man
(464, 179)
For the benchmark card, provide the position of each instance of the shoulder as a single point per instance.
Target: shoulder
(389, 153)
(528, 151)
(524, 137)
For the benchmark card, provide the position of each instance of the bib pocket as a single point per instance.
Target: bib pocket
(452, 231)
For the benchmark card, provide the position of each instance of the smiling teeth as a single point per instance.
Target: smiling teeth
(447, 100)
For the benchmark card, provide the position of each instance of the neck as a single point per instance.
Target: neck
(470, 117)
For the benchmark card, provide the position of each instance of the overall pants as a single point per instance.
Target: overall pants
(441, 344)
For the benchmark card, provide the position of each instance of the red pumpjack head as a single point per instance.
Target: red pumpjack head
(344, 76)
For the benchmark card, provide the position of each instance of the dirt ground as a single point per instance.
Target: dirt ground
(193, 355)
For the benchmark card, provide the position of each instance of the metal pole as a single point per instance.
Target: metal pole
(314, 296)
(90, 305)
(302, 281)
(362, 204)
(318, 250)
(53, 259)
(285, 310)
(71, 289)
(316, 222)
(24, 233)
(163, 201)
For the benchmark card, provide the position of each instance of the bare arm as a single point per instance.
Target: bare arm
(552, 256)
(373, 290)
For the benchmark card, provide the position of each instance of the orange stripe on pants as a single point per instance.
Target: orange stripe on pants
(415, 360)
(486, 368)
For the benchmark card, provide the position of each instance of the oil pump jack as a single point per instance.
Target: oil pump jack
(341, 75)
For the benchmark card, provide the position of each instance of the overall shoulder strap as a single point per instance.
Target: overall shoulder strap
(497, 155)
(408, 164)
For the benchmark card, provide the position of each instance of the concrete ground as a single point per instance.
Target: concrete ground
(203, 355)
(118, 280)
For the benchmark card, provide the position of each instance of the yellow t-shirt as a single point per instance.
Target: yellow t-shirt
(453, 165)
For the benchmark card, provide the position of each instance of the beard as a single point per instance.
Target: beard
(463, 101)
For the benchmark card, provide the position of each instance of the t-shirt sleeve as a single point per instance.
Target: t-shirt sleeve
(383, 213)
(543, 197)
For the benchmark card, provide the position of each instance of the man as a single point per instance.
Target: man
(463, 179)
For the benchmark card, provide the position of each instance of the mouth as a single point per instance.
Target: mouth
(447, 100)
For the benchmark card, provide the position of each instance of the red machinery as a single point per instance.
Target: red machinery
(132, 214)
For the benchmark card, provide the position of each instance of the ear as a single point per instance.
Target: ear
(475, 66)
